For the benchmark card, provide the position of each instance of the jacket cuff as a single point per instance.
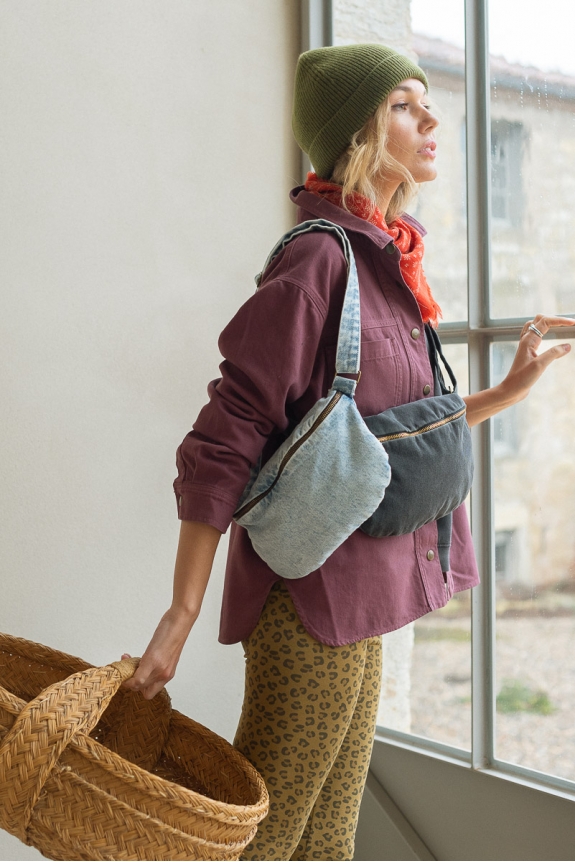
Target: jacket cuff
(206, 505)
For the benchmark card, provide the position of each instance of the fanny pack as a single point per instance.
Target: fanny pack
(329, 477)
(429, 447)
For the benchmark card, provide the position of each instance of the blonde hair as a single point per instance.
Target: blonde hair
(367, 159)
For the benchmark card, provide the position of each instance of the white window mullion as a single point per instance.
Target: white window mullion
(316, 32)
(479, 275)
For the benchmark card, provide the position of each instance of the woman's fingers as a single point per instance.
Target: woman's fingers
(146, 676)
(549, 322)
(153, 667)
(544, 323)
(147, 685)
(152, 690)
(548, 356)
(148, 688)
(528, 365)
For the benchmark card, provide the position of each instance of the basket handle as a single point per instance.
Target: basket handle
(44, 728)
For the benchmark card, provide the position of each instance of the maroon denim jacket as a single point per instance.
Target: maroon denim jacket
(279, 359)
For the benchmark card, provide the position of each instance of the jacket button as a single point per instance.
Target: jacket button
(390, 248)
(426, 389)
(415, 333)
(430, 555)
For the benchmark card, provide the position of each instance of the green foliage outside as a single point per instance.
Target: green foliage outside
(515, 696)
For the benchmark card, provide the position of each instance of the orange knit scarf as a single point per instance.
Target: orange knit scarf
(405, 237)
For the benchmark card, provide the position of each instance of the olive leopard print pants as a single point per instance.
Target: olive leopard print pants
(307, 725)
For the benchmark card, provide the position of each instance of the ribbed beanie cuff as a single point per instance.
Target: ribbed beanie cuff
(337, 89)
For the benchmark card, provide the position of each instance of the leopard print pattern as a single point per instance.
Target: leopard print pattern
(307, 725)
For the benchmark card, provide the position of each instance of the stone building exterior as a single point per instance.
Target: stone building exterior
(373, 21)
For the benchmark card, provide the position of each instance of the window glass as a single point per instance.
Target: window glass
(440, 699)
(427, 666)
(532, 151)
(506, 175)
(506, 423)
(438, 42)
(534, 491)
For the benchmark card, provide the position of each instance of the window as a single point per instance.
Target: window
(506, 438)
(507, 146)
(511, 708)
(504, 556)
(506, 155)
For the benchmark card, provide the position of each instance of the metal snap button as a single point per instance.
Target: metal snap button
(390, 248)
(415, 333)
(430, 555)
(426, 389)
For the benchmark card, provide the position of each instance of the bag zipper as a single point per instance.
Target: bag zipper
(289, 454)
(430, 427)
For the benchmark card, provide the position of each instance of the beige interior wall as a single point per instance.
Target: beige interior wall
(147, 156)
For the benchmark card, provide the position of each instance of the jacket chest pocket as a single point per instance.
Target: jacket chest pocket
(382, 348)
(381, 372)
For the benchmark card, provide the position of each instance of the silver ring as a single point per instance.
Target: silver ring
(534, 329)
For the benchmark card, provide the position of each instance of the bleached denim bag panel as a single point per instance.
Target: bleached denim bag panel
(331, 473)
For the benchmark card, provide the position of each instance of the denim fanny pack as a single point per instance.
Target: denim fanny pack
(329, 477)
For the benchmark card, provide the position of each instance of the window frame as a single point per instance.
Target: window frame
(478, 332)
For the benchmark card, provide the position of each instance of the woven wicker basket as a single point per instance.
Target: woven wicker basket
(92, 771)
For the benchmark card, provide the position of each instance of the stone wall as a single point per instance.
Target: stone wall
(374, 21)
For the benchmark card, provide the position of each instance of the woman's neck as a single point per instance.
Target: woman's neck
(385, 192)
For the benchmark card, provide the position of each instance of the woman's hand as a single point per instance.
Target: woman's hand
(158, 664)
(528, 365)
(196, 550)
(526, 369)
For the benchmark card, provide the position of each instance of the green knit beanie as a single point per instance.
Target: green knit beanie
(336, 91)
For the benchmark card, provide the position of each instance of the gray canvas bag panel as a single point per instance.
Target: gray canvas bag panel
(429, 448)
(428, 480)
(331, 473)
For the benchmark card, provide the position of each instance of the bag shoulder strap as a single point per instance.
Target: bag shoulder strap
(435, 351)
(349, 335)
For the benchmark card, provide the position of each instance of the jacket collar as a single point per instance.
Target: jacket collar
(310, 204)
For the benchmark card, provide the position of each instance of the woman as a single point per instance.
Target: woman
(313, 648)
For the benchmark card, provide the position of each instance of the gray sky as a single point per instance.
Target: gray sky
(523, 31)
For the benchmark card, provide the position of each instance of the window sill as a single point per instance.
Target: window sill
(550, 784)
